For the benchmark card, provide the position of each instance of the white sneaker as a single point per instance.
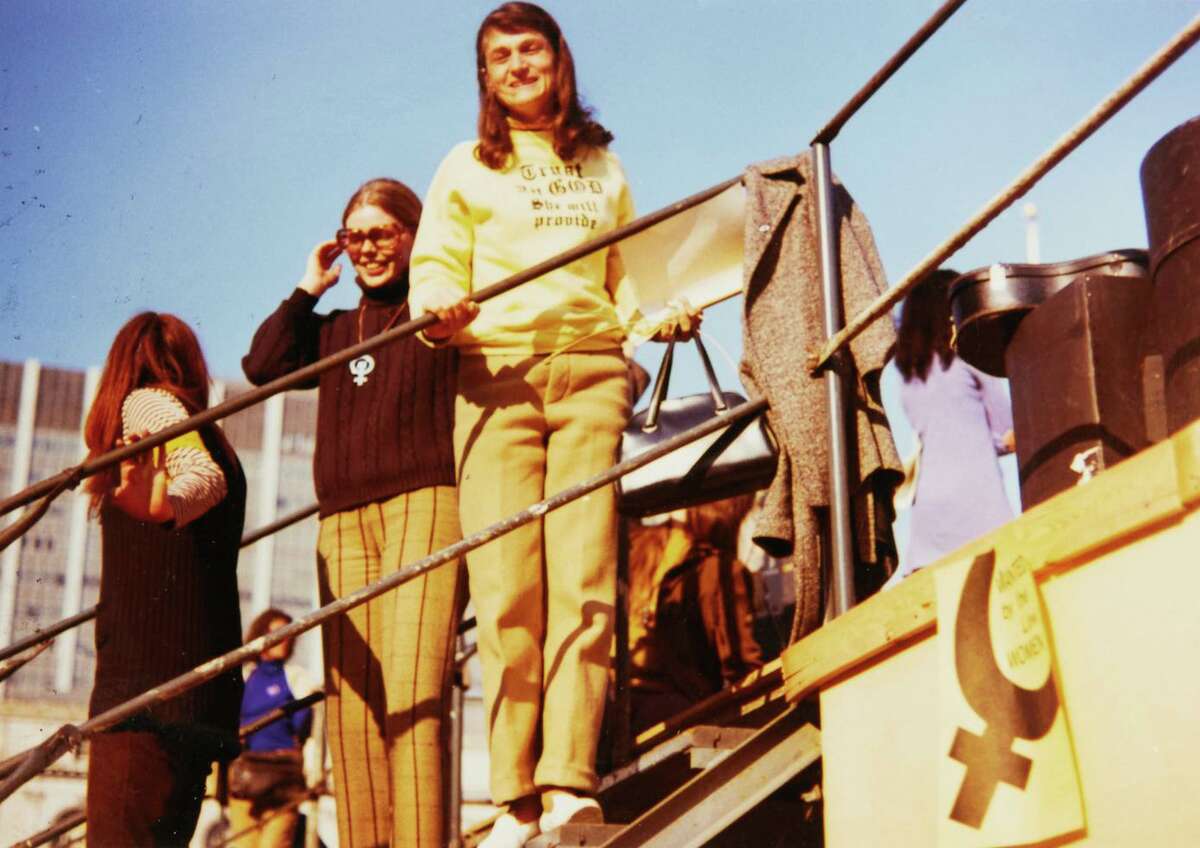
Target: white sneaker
(562, 807)
(507, 832)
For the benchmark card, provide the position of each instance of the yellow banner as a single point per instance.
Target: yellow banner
(1007, 773)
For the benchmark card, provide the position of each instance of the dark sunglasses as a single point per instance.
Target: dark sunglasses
(384, 238)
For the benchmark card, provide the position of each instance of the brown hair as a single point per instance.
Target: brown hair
(925, 326)
(152, 350)
(572, 124)
(392, 196)
(261, 624)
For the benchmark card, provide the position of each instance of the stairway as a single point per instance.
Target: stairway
(707, 785)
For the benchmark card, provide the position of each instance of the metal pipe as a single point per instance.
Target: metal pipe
(307, 373)
(840, 523)
(829, 132)
(53, 630)
(53, 832)
(458, 688)
(37, 759)
(46, 633)
(280, 712)
(1145, 75)
(275, 526)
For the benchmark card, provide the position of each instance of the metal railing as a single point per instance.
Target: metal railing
(48, 633)
(838, 336)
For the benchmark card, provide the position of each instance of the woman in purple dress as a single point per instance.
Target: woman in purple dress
(963, 421)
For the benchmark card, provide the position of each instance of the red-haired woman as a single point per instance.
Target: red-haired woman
(171, 526)
(384, 474)
(542, 401)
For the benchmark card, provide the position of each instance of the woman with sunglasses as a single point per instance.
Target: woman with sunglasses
(384, 474)
(542, 401)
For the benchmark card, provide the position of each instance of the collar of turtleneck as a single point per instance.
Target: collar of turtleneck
(391, 294)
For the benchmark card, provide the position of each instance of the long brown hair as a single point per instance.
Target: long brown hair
(153, 349)
(572, 123)
(392, 196)
(925, 326)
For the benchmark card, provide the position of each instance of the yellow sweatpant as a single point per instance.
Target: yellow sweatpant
(527, 427)
(387, 668)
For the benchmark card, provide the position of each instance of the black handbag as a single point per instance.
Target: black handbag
(738, 459)
(268, 777)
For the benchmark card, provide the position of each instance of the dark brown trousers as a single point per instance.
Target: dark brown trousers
(142, 790)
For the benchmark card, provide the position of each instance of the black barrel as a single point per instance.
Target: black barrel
(1171, 195)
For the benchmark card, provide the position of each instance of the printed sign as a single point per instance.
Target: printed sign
(1007, 772)
(695, 255)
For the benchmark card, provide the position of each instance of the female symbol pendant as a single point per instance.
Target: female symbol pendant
(361, 367)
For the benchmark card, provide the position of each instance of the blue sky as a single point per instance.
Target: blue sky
(185, 156)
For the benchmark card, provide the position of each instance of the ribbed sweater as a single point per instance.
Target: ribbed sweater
(388, 435)
(169, 602)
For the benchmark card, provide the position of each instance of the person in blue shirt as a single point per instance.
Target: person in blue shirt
(271, 683)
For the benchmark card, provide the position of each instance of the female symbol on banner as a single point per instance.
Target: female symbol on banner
(361, 367)
(1009, 710)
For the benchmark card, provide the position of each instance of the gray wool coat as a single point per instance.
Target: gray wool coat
(782, 326)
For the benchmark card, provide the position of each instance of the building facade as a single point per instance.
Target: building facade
(53, 571)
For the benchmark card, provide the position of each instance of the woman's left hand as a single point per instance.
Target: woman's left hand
(142, 492)
(681, 325)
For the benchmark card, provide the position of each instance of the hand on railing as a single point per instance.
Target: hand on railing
(452, 310)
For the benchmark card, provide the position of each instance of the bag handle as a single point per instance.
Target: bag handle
(663, 380)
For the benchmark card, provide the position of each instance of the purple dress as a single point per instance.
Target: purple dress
(961, 416)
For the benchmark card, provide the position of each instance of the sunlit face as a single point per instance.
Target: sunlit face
(281, 651)
(519, 68)
(378, 245)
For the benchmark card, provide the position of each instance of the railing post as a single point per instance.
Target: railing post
(458, 689)
(841, 537)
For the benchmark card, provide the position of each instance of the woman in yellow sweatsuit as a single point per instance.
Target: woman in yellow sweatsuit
(541, 404)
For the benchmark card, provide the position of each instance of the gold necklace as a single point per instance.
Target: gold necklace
(365, 364)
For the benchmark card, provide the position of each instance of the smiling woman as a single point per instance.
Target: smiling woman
(384, 473)
(542, 401)
(520, 73)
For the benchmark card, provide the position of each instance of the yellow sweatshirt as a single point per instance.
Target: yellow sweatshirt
(480, 226)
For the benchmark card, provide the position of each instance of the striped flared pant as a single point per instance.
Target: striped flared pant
(387, 668)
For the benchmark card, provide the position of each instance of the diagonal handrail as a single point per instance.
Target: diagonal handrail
(38, 759)
(1142, 77)
(114, 457)
(53, 832)
(829, 132)
(51, 631)
(280, 712)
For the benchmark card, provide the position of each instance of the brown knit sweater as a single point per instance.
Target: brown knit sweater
(392, 433)
(169, 602)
